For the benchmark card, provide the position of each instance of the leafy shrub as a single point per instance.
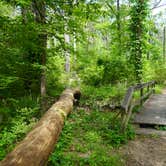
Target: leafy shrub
(114, 70)
(154, 71)
(16, 129)
(160, 73)
(103, 95)
(26, 101)
(19, 117)
(92, 75)
(55, 75)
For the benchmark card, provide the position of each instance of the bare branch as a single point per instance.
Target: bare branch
(114, 12)
(156, 4)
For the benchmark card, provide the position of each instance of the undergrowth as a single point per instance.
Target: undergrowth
(160, 127)
(88, 138)
(19, 116)
(96, 97)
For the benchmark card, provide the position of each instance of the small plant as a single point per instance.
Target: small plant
(159, 127)
(88, 138)
(17, 123)
(96, 97)
(9, 136)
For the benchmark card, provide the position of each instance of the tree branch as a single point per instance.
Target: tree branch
(114, 12)
(156, 5)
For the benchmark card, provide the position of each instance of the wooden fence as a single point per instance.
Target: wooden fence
(129, 101)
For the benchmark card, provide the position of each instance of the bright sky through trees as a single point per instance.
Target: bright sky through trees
(160, 8)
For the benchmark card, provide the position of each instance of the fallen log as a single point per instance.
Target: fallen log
(35, 149)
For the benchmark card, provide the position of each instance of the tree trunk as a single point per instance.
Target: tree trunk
(75, 49)
(67, 54)
(138, 32)
(35, 149)
(39, 10)
(118, 27)
(164, 43)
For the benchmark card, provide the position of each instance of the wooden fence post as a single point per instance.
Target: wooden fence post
(141, 95)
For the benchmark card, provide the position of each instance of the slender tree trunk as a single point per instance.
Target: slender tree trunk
(119, 27)
(39, 10)
(75, 49)
(43, 81)
(36, 147)
(75, 76)
(164, 44)
(148, 53)
(24, 15)
(67, 54)
(138, 57)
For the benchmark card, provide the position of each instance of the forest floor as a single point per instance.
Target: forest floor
(91, 137)
(145, 151)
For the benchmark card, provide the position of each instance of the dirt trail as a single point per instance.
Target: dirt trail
(145, 151)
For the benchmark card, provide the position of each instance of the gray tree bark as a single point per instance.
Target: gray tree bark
(164, 43)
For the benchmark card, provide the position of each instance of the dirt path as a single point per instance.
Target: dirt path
(145, 151)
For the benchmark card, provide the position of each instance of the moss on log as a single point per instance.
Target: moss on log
(36, 147)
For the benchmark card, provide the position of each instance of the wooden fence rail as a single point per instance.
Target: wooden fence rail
(129, 102)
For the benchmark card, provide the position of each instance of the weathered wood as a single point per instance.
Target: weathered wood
(153, 112)
(35, 149)
(128, 103)
(129, 94)
(149, 131)
(143, 85)
(141, 94)
(127, 99)
(127, 118)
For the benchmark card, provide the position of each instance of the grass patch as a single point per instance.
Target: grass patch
(89, 138)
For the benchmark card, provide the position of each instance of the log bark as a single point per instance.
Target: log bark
(35, 149)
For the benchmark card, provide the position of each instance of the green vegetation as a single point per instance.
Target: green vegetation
(96, 97)
(19, 116)
(103, 47)
(161, 128)
(88, 138)
(90, 135)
